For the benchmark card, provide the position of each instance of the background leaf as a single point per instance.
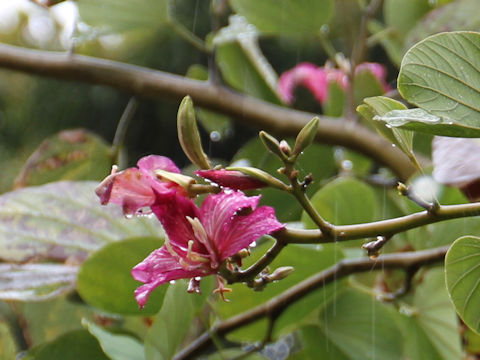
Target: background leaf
(174, 320)
(69, 155)
(105, 281)
(116, 346)
(63, 220)
(288, 17)
(34, 282)
(462, 270)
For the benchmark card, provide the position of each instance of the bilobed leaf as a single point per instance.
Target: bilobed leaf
(105, 281)
(174, 320)
(343, 201)
(124, 15)
(69, 155)
(34, 282)
(462, 270)
(116, 346)
(241, 61)
(62, 220)
(441, 75)
(432, 325)
(285, 17)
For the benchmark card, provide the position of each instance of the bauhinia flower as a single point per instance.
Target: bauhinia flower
(231, 179)
(199, 240)
(134, 188)
(318, 79)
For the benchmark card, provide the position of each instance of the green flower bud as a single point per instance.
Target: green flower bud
(306, 136)
(271, 144)
(189, 136)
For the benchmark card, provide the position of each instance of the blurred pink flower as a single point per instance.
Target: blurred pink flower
(231, 179)
(134, 188)
(200, 239)
(317, 79)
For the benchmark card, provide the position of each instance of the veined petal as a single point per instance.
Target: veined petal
(231, 179)
(151, 163)
(172, 211)
(233, 222)
(243, 230)
(158, 268)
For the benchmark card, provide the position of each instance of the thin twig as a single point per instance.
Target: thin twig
(121, 132)
(156, 84)
(281, 302)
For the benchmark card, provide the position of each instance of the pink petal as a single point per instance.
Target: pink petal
(306, 74)
(158, 268)
(231, 179)
(232, 223)
(172, 211)
(151, 163)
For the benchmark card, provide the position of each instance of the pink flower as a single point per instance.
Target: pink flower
(200, 239)
(231, 179)
(317, 79)
(134, 188)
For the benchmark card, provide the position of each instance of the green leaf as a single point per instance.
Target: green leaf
(235, 354)
(402, 15)
(306, 260)
(343, 201)
(69, 155)
(62, 220)
(431, 327)
(379, 106)
(462, 270)
(441, 75)
(35, 282)
(242, 63)
(354, 326)
(174, 320)
(116, 346)
(124, 15)
(104, 279)
(285, 17)
(74, 345)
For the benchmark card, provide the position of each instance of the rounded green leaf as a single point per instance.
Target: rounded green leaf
(441, 75)
(462, 270)
(291, 17)
(343, 201)
(104, 279)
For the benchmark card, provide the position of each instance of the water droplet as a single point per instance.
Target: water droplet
(215, 136)
(253, 244)
(347, 165)
(172, 282)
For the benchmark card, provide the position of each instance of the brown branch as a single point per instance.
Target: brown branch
(275, 306)
(160, 85)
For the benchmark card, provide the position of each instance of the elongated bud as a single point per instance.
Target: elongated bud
(260, 175)
(188, 134)
(285, 148)
(271, 144)
(281, 273)
(179, 179)
(306, 136)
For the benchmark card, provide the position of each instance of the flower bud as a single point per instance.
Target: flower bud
(281, 273)
(259, 175)
(271, 144)
(305, 136)
(188, 134)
